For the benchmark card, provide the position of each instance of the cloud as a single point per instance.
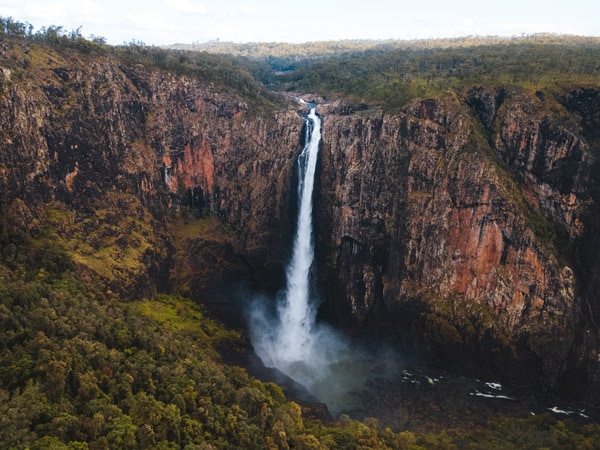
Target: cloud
(247, 9)
(187, 6)
(166, 21)
(50, 14)
(151, 22)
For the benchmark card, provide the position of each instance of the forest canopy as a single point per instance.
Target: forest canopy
(392, 73)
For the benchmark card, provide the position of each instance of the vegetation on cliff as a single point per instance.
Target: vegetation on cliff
(238, 75)
(99, 348)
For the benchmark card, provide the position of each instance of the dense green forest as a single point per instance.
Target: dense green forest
(393, 73)
(81, 368)
(84, 367)
(395, 77)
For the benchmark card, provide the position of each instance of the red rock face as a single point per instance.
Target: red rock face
(439, 222)
(198, 167)
(419, 209)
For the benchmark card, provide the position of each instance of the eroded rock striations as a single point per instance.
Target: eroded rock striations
(77, 130)
(468, 220)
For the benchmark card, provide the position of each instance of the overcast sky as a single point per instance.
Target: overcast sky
(159, 22)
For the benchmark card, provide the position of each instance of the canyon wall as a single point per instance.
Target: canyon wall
(464, 225)
(111, 141)
(465, 220)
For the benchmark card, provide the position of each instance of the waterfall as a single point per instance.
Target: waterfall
(297, 311)
(289, 343)
(311, 353)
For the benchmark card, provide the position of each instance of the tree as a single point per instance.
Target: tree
(122, 433)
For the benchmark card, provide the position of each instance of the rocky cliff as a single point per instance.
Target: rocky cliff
(465, 224)
(102, 150)
(465, 220)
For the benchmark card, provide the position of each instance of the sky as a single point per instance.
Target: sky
(162, 22)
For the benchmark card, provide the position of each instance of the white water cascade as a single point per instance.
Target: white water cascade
(297, 312)
(288, 342)
(312, 354)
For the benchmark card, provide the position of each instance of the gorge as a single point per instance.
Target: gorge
(461, 226)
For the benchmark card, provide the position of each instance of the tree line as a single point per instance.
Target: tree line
(390, 73)
(237, 75)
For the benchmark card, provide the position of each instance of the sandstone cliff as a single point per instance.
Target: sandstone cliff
(103, 150)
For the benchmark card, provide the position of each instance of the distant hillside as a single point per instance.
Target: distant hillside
(395, 76)
(392, 73)
(281, 51)
(283, 55)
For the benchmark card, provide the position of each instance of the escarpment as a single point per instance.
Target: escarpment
(102, 151)
(464, 224)
(464, 220)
